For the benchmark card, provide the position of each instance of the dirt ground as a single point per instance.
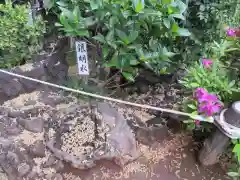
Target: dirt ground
(163, 156)
(173, 159)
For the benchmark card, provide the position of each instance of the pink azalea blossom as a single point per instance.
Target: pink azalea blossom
(208, 104)
(231, 32)
(210, 108)
(207, 62)
(200, 92)
(208, 98)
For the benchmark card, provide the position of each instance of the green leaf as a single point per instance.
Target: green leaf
(167, 53)
(191, 106)
(95, 4)
(64, 21)
(82, 33)
(76, 14)
(138, 5)
(89, 21)
(134, 46)
(133, 36)
(194, 85)
(183, 32)
(62, 4)
(113, 20)
(166, 2)
(126, 14)
(233, 174)
(191, 126)
(166, 23)
(128, 76)
(110, 36)
(163, 70)
(151, 12)
(188, 121)
(122, 36)
(234, 141)
(58, 24)
(170, 10)
(232, 83)
(182, 6)
(48, 4)
(113, 61)
(105, 51)
(178, 16)
(99, 38)
(175, 27)
(236, 148)
(134, 62)
(67, 13)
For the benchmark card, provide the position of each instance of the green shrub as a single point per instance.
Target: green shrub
(130, 33)
(208, 17)
(19, 41)
(219, 76)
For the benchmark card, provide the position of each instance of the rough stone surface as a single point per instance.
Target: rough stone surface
(57, 177)
(34, 125)
(23, 169)
(117, 144)
(49, 131)
(37, 149)
(59, 166)
(51, 68)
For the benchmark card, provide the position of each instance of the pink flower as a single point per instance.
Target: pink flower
(210, 108)
(197, 122)
(200, 92)
(208, 98)
(208, 104)
(231, 32)
(207, 62)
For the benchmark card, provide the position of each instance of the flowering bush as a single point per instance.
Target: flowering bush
(233, 32)
(214, 82)
(207, 63)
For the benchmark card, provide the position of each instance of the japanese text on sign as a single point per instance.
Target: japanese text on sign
(82, 58)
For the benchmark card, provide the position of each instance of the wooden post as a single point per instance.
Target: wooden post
(215, 145)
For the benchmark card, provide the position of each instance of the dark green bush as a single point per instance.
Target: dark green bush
(130, 33)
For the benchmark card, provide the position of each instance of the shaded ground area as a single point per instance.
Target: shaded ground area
(173, 159)
(83, 135)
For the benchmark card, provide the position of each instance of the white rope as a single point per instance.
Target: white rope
(198, 117)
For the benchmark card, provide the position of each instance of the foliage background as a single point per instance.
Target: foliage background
(19, 40)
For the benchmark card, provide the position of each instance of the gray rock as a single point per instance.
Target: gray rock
(51, 160)
(37, 149)
(32, 175)
(23, 169)
(57, 177)
(35, 124)
(3, 176)
(2, 128)
(59, 166)
(16, 114)
(12, 158)
(10, 172)
(13, 88)
(13, 130)
(5, 143)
